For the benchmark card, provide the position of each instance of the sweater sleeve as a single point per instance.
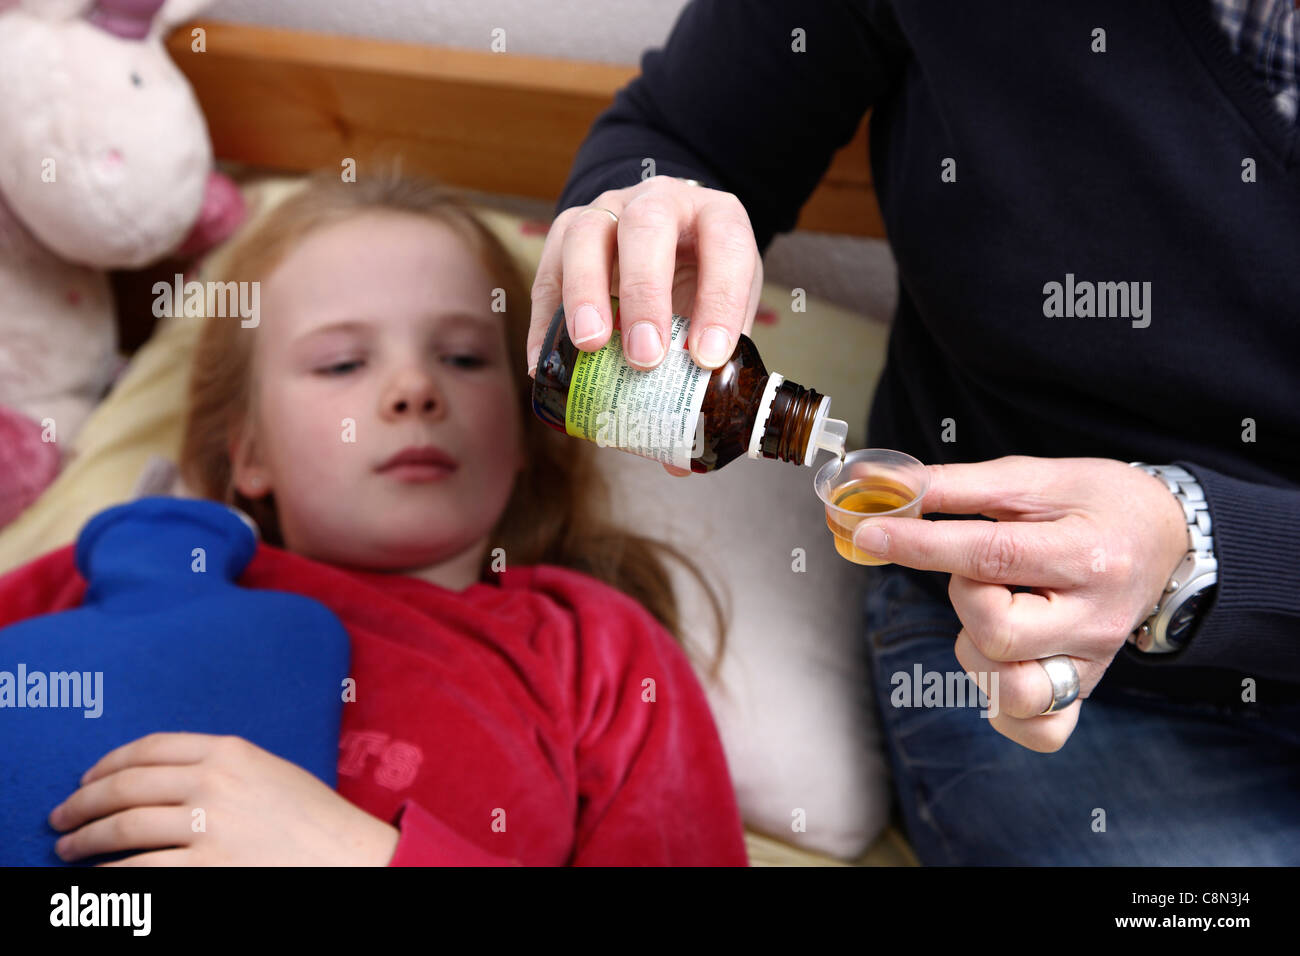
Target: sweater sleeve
(654, 788)
(740, 100)
(1252, 624)
(426, 841)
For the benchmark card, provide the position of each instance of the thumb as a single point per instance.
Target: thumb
(874, 536)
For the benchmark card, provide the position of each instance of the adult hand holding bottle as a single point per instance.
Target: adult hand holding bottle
(662, 246)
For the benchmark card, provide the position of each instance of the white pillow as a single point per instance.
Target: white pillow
(794, 709)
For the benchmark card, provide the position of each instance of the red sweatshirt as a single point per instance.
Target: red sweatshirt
(544, 718)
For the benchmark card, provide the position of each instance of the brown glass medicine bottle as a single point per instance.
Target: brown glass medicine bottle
(679, 413)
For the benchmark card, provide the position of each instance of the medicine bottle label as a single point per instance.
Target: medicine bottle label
(654, 414)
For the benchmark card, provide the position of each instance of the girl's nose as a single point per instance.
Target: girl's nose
(413, 392)
(424, 403)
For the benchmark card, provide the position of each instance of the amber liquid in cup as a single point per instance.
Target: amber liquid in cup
(871, 495)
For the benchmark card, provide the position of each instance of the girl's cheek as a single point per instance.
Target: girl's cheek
(497, 398)
(305, 418)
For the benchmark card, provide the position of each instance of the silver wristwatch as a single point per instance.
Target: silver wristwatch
(1191, 588)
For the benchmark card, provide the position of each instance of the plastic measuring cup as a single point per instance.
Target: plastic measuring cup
(890, 484)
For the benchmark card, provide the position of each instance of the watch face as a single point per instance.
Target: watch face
(1184, 620)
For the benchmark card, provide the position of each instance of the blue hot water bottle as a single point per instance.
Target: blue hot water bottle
(165, 640)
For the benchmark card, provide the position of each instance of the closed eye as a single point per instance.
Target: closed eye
(344, 368)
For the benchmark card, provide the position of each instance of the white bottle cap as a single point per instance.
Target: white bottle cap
(828, 433)
(774, 381)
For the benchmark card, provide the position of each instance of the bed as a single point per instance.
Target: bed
(279, 103)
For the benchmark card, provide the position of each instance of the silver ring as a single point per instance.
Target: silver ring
(604, 210)
(1065, 682)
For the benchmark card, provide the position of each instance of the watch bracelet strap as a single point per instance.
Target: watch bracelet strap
(1185, 488)
(1188, 491)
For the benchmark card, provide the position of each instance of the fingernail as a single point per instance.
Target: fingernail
(587, 323)
(871, 538)
(644, 346)
(54, 815)
(714, 347)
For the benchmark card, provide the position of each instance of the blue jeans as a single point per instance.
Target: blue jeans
(1172, 783)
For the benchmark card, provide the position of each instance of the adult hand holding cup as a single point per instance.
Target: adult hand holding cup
(1077, 555)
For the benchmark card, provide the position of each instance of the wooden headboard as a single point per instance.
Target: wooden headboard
(292, 100)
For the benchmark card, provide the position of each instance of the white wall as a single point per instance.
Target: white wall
(610, 31)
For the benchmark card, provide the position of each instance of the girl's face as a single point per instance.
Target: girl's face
(378, 336)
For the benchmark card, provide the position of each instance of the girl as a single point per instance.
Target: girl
(519, 695)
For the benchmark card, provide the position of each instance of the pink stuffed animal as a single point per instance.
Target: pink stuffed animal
(105, 163)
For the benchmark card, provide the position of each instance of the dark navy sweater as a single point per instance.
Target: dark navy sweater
(1069, 166)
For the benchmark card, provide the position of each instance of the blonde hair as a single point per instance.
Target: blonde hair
(559, 510)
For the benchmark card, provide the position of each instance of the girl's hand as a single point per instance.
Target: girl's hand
(257, 809)
(1097, 541)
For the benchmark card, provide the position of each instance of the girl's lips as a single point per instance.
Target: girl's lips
(418, 472)
(422, 455)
